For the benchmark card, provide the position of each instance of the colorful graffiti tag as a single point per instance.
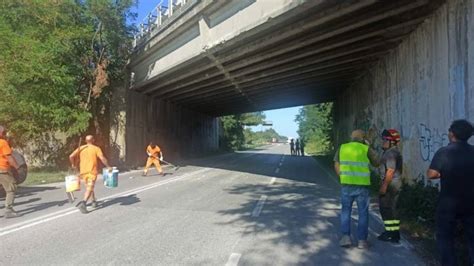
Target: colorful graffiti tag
(430, 141)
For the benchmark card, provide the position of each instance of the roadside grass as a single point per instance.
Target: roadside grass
(38, 176)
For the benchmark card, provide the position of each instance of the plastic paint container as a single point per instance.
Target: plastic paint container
(73, 183)
(110, 179)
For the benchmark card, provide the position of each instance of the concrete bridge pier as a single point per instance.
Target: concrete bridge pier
(139, 119)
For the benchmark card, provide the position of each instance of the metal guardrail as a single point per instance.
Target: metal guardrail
(160, 16)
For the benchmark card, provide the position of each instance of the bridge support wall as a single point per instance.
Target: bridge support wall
(419, 88)
(179, 132)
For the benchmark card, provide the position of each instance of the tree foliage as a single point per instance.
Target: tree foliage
(55, 55)
(262, 137)
(252, 119)
(315, 123)
(233, 137)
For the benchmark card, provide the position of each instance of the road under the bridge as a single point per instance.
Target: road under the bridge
(260, 207)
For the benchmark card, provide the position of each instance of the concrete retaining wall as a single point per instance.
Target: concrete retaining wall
(179, 132)
(419, 88)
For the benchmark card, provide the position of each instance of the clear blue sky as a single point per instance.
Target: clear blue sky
(144, 7)
(283, 119)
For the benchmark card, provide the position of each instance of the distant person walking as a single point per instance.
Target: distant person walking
(88, 169)
(297, 147)
(154, 157)
(292, 147)
(302, 144)
(351, 164)
(6, 179)
(454, 166)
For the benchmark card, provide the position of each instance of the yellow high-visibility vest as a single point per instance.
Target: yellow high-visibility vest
(354, 164)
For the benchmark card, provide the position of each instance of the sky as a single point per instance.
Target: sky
(144, 7)
(283, 119)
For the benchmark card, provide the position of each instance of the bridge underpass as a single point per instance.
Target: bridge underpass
(269, 54)
(382, 62)
(416, 74)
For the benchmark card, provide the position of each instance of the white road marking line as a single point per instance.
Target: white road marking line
(258, 209)
(277, 170)
(38, 222)
(273, 180)
(71, 210)
(233, 259)
(280, 164)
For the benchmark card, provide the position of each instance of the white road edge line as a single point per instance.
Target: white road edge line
(272, 181)
(71, 210)
(258, 209)
(233, 259)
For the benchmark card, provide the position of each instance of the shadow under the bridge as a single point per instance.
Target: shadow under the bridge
(258, 162)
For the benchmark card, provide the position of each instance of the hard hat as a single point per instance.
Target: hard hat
(391, 135)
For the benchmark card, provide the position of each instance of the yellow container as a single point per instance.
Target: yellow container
(73, 183)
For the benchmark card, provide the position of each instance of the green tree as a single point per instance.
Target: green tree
(252, 119)
(315, 123)
(233, 137)
(261, 137)
(59, 63)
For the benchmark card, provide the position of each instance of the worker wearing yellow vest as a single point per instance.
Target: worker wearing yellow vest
(391, 168)
(351, 164)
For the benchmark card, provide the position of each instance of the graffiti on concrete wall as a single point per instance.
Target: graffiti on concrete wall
(430, 141)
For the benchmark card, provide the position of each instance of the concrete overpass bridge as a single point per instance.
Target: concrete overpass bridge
(226, 57)
(406, 64)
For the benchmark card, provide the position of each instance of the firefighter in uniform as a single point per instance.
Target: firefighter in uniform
(391, 168)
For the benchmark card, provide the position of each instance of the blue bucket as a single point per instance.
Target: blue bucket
(110, 179)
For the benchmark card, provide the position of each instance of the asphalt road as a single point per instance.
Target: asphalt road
(260, 207)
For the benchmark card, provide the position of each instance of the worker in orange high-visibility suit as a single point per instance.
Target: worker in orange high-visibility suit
(88, 156)
(154, 156)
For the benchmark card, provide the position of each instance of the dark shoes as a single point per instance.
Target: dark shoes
(82, 207)
(387, 236)
(10, 213)
(94, 204)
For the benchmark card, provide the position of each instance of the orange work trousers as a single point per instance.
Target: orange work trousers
(156, 162)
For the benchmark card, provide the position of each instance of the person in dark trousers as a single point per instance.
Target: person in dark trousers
(391, 165)
(292, 147)
(297, 147)
(351, 163)
(454, 166)
(302, 147)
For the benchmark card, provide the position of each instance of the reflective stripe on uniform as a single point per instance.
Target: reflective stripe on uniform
(354, 163)
(392, 225)
(355, 174)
